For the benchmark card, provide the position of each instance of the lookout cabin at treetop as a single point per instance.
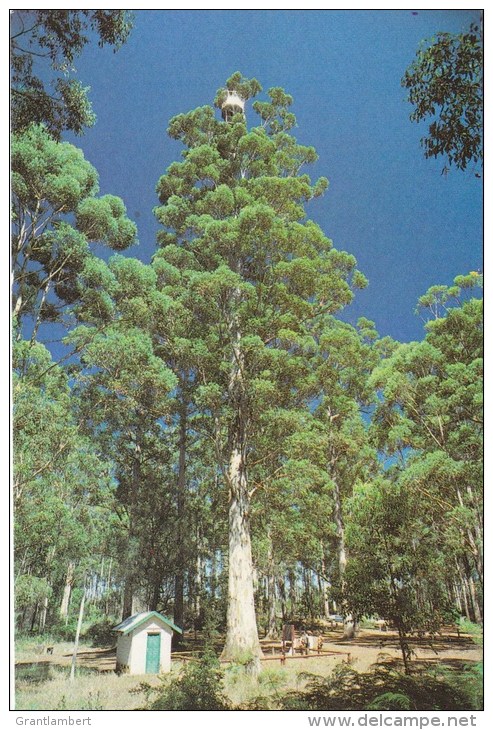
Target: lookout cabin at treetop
(144, 643)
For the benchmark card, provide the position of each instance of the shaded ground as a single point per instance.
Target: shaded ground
(370, 647)
(42, 678)
(96, 659)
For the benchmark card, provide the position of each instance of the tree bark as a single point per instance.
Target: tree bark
(67, 591)
(241, 633)
(43, 614)
(282, 595)
(349, 623)
(198, 583)
(293, 593)
(34, 616)
(77, 634)
(272, 628)
(180, 509)
(404, 646)
(128, 595)
(474, 542)
(478, 617)
(325, 587)
(107, 587)
(464, 598)
(308, 590)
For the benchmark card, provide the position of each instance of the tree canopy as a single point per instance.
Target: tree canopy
(445, 83)
(43, 40)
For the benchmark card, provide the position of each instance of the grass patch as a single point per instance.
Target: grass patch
(89, 691)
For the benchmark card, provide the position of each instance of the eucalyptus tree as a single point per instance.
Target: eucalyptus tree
(177, 338)
(430, 419)
(445, 83)
(125, 389)
(136, 381)
(396, 564)
(333, 445)
(290, 512)
(56, 217)
(257, 272)
(43, 39)
(62, 487)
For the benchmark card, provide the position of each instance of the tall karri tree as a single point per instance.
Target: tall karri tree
(257, 275)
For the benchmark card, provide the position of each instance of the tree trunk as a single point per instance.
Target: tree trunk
(306, 575)
(272, 628)
(198, 578)
(130, 574)
(128, 596)
(67, 591)
(77, 634)
(43, 614)
(463, 587)
(474, 542)
(474, 601)
(241, 632)
(404, 649)
(465, 597)
(293, 594)
(180, 509)
(349, 623)
(465, 600)
(325, 587)
(107, 587)
(282, 595)
(155, 595)
(34, 616)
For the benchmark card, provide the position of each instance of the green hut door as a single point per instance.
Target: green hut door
(153, 653)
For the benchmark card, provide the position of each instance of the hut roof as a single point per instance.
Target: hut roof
(132, 622)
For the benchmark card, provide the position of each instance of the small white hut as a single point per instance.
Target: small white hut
(144, 643)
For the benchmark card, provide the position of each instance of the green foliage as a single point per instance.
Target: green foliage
(53, 267)
(30, 590)
(445, 84)
(56, 38)
(104, 220)
(245, 88)
(64, 631)
(227, 349)
(101, 633)
(401, 576)
(62, 489)
(391, 701)
(252, 276)
(423, 520)
(198, 687)
(469, 627)
(431, 415)
(383, 688)
(471, 682)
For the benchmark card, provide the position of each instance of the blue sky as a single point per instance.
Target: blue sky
(408, 225)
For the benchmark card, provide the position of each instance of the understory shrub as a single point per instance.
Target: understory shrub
(64, 632)
(384, 688)
(101, 633)
(197, 687)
